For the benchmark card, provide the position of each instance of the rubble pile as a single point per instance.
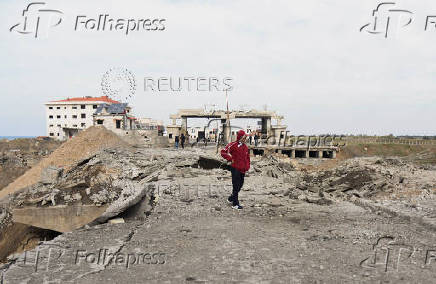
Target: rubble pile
(117, 180)
(87, 143)
(100, 179)
(371, 178)
(272, 167)
(5, 217)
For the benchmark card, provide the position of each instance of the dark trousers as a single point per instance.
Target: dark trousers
(237, 182)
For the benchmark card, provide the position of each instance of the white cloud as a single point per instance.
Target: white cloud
(306, 59)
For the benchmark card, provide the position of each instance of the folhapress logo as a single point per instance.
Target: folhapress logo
(37, 19)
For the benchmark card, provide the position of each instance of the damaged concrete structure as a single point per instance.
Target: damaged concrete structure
(296, 152)
(266, 117)
(118, 119)
(115, 117)
(270, 134)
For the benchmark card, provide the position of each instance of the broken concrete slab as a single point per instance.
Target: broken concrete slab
(58, 218)
(116, 221)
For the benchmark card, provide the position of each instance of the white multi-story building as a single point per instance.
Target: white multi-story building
(65, 118)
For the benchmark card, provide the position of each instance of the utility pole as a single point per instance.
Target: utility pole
(227, 132)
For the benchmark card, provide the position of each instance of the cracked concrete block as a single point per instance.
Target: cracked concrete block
(51, 175)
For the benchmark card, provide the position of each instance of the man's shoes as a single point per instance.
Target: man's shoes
(230, 199)
(237, 207)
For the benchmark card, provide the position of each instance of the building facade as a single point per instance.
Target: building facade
(66, 118)
(115, 117)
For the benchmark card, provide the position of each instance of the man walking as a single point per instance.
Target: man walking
(176, 142)
(182, 140)
(256, 139)
(237, 153)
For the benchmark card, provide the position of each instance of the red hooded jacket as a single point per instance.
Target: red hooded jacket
(237, 153)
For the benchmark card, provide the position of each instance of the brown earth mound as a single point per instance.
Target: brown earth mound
(83, 145)
(424, 154)
(19, 155)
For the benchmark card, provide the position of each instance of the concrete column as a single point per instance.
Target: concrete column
(320, 154)
(279, 151)
(293, 154)
(184, 124)
(266, 126)
(307, 153)
(227, 133)
(334, 155)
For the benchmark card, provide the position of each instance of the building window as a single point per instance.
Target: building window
(74, 125)
(51, 134)
(74, 107)
(58, 116)
(58, 134)
(50, 107)
(83, 125)
(59, 125)
(83, 106)
(65, 107)
(74, 116)
(83, 115)
(94, 106)
(50, 116)
(170, 136)
(58, 108)
(118, 124)
(65, 116)
(100, 121)
(51, 125)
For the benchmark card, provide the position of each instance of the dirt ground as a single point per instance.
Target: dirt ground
(206, 241)
(360, 220)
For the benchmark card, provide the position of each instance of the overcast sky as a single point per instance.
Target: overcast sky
(305, 59)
